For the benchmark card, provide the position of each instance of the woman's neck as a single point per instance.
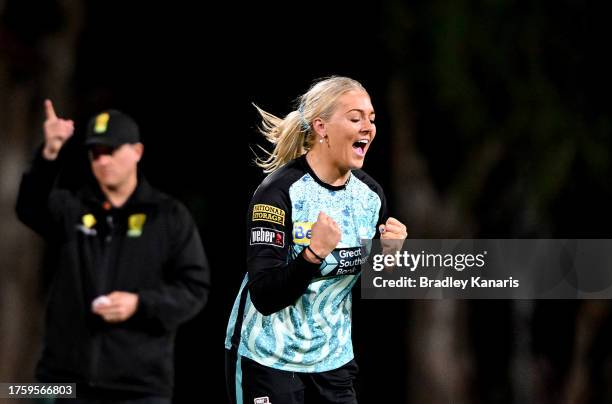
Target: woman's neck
(327, 172)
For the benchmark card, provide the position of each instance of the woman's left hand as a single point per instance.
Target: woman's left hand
(393, 229)
(392, 236)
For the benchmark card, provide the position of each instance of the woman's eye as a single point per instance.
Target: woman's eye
(355, 120)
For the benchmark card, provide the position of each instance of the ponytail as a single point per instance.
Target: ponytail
(289, 136)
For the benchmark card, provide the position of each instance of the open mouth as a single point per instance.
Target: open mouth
(360, 146)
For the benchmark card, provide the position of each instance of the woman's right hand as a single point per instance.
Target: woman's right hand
(325, 237)
(57, 132)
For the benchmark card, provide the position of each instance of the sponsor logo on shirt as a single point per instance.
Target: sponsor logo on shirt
(268, 213)
(302, 233)
(344, 261)
(135, 224)
(88, 221)
(265, 236)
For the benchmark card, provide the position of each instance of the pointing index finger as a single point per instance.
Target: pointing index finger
(49, 110)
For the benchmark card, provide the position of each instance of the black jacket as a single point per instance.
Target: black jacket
(150, 246)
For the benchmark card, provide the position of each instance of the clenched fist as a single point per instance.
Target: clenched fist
(392, 235)
(393, 229)
(116, 307)
(325, 237)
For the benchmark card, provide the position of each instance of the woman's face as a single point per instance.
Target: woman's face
(350, 130)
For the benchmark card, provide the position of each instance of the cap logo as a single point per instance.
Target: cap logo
(101, 122)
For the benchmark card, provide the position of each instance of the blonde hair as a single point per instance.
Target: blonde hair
(293, 136)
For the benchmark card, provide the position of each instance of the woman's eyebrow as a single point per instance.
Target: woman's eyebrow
(360, 110)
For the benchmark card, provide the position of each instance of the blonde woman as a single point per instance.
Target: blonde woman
(289, 334)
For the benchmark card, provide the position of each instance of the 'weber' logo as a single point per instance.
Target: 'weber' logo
(265, 236)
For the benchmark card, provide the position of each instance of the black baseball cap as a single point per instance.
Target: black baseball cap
(111, 128)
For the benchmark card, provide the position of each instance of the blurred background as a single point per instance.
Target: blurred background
(493, 121)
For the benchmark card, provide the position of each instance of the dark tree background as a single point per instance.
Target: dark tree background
(493, 121)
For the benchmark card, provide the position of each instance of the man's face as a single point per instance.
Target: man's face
(112, 166)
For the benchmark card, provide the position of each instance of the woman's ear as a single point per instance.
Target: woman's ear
(318, 126)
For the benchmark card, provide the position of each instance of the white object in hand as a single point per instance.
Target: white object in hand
(100, 301)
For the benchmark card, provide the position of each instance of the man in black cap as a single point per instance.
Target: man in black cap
(130, 266)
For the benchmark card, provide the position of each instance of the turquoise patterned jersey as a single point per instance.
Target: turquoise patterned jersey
(291, 314)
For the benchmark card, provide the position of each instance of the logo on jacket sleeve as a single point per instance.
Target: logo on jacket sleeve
(265, 236)
(135, 224)
(268, 213)
(262, 400)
